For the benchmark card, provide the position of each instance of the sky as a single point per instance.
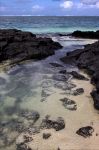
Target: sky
(50, 7)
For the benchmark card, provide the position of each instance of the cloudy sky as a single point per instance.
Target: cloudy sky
(49, 7)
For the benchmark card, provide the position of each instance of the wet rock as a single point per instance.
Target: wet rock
(69, 104)
(78, 91)
(63, 71)
(85, 131)
(87, 58)
(86, 34)
(58, 124)
(60, 77)
(16, 45)
(30, 115)
(56, 65)
(23, 147)
(95, 96)
(78, 76)
(46, 135)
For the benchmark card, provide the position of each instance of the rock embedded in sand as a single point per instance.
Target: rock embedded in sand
(69, 104)
(58, 124)
(46, 135)
(78, 91)
(78, 76)
(85, 131)
(16, 45)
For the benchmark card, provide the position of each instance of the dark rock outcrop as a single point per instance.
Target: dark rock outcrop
(87, 58)
(78, 76)
(86, 34)
(58, 124)
(16, 45)
(85, 131)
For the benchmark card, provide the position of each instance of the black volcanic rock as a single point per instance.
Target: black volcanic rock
(87, 58)
(78, 76)
(86, 34)
(17, 45)
(85, 131)
(58, 124)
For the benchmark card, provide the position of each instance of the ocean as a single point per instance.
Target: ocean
(47, 24)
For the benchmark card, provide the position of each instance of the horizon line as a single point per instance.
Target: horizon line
(48, 16)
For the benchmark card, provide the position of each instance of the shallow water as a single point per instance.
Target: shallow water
(22, 86)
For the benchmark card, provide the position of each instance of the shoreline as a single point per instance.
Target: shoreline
(56, 114)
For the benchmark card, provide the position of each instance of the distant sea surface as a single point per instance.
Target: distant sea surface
(40, 24)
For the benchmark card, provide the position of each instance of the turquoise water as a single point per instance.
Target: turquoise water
(50, 24)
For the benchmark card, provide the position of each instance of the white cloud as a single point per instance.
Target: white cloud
(79, 5)
(67, 4)
(97, 4)
(2, 8)
(37, 7)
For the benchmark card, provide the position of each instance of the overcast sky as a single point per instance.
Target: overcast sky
(50, 7)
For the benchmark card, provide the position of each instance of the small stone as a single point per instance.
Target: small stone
(78, 91)
(85, 131)
(46, 135)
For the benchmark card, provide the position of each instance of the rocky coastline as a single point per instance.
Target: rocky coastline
(88, 59)
(86, 34)
(16, 46)
(27, 128)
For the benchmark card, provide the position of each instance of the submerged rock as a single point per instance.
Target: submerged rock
(85, 131)
(61, 77)
(30, 115)
(69, 104)
(56, 65)
(58, 124)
